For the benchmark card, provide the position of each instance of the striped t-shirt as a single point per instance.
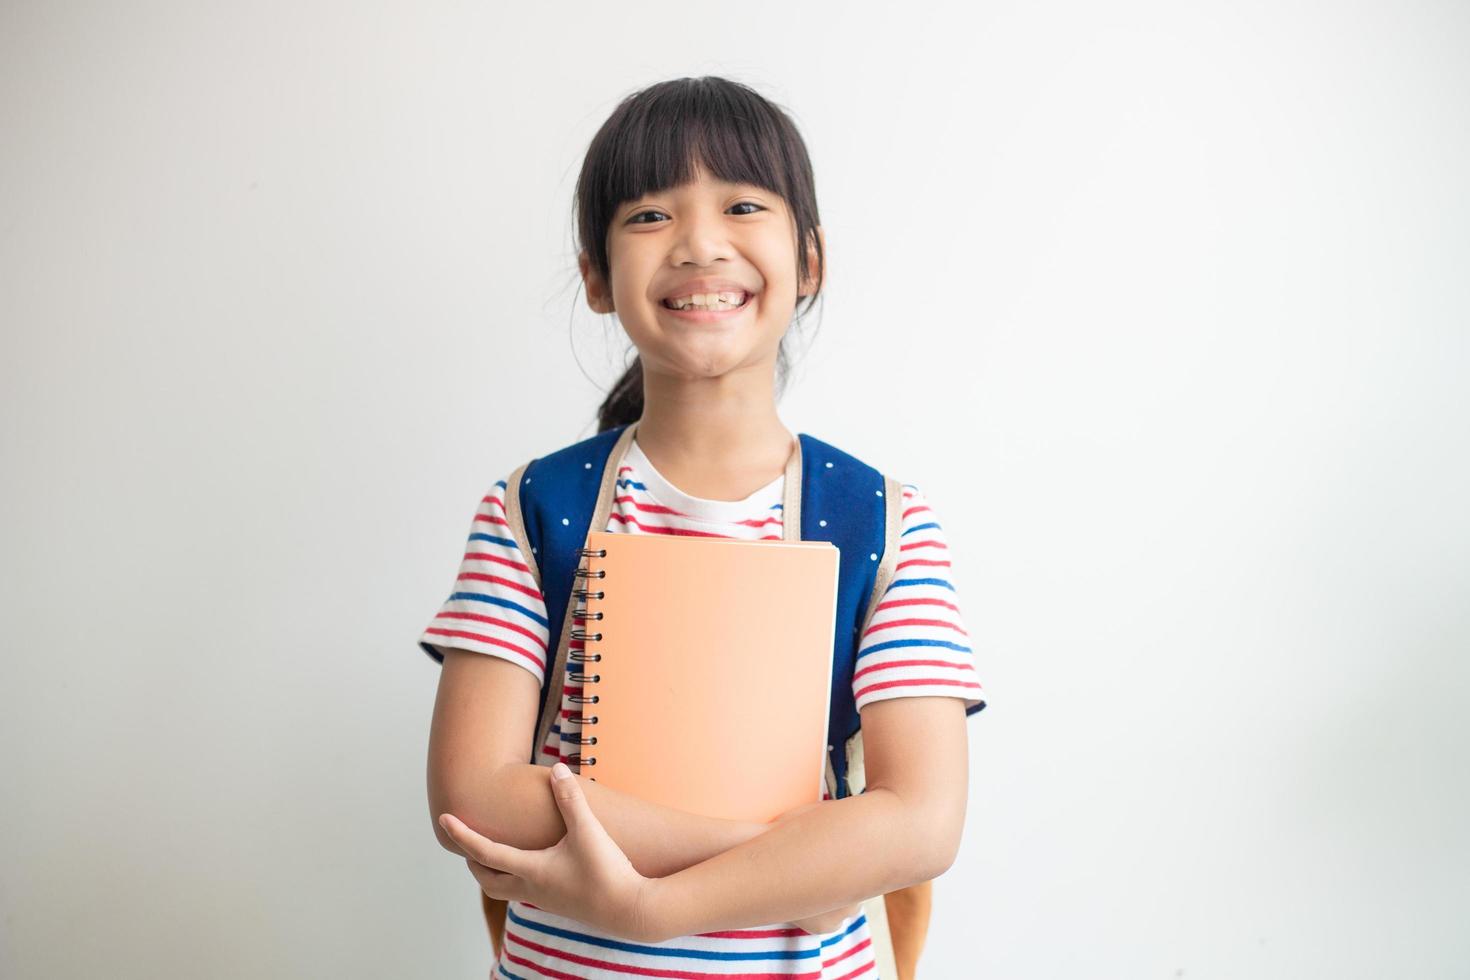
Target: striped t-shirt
(916, 644)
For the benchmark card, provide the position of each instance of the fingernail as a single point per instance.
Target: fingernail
(560, 771)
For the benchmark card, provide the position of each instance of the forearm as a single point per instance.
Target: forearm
(827, 857)
(515, 806)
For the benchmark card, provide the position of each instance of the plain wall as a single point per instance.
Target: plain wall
(1163, 305)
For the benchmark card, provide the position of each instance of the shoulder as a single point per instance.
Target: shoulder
(821, 454)
(578, 454)
(565, 474)
(918, 509)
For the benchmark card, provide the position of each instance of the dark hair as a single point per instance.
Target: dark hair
(653, 140)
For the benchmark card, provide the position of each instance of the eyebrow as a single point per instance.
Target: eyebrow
(728, 184)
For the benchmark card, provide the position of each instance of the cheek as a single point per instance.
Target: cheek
(630, 279)
(778, 266)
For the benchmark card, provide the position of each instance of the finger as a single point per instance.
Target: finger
(484, 850)
(567, 790)
(497, 884)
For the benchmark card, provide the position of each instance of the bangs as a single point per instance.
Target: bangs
(661, 141)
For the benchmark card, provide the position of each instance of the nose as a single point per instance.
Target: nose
(700, 240)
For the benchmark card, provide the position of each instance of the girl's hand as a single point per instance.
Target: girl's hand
(827, 921)
(584, 876)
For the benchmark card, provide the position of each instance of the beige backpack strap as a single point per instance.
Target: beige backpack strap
(876, 909)
(495, 908)
(517, 521)
(881, 931)
(791, 495)
(600, 512)
(892, 525)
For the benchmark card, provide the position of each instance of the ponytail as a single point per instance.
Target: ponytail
(624, 403)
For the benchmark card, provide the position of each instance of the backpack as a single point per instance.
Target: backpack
(553, 501)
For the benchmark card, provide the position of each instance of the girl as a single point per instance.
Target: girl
(698, 224)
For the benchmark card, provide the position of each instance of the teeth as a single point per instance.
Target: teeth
(707, 301)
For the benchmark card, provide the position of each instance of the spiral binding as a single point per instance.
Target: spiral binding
(580, 633)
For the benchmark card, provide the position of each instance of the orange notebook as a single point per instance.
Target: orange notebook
(715, 672)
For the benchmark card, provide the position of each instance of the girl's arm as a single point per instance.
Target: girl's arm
(483, 712)
(514, 806)
(904, 829)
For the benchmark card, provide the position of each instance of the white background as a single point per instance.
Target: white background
(1164, 305)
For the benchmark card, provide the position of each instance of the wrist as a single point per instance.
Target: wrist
(653, 921)
(657, 917)
(745, 830)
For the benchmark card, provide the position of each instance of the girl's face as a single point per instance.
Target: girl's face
(704, 237)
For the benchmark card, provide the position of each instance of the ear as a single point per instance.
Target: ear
(599, 297)
(810, 280)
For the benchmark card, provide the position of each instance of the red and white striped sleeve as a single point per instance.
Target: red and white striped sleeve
(916, 643)
(494, 607)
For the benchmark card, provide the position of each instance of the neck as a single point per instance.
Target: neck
(719, 424)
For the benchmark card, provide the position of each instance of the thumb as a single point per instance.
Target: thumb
(569, 798)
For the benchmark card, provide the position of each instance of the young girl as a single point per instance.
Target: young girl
(699, 229)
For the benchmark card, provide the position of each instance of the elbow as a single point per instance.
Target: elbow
(475, 806)
(940, 842)
(445, 841)
(942, 856)
(442, 799)
(438, 805)
(931, 842)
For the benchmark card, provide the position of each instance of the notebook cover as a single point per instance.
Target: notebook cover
(716, 671)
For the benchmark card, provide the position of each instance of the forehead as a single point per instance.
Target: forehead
(702, 178)
(703, 181)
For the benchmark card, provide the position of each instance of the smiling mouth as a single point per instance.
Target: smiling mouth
(707, 302)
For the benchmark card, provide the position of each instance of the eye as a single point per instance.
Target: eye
(637, 219)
